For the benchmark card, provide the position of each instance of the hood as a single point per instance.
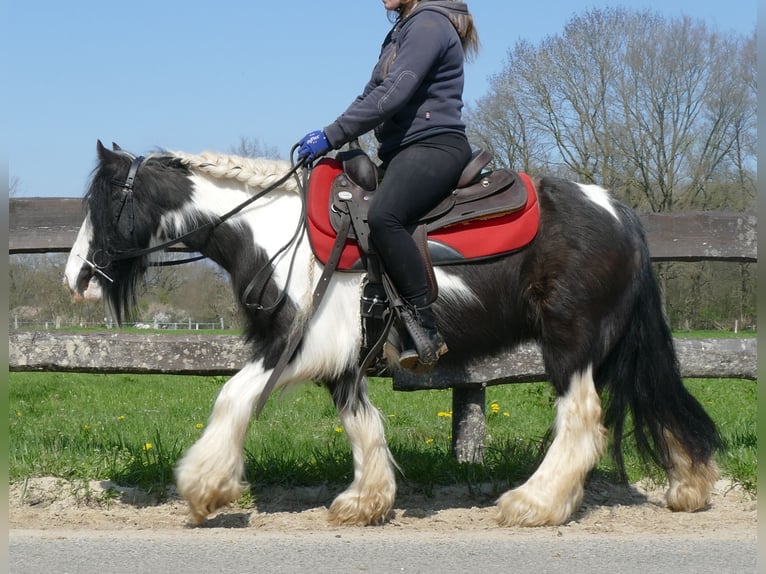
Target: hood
(457, 12)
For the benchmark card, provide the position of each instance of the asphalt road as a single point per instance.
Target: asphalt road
(384, 550)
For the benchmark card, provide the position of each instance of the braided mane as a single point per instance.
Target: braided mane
(256, 173)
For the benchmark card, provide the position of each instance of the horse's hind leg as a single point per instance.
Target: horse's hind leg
(555, 490)
(690, 483)
(211, 472)
(370, 497)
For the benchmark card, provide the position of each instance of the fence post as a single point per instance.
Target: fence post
(468, 423)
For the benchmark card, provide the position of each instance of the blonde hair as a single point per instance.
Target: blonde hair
(464, 24)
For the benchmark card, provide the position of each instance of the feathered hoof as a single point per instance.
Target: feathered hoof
(352, 508)
(204, 496)
(519, 507)
(693, 492)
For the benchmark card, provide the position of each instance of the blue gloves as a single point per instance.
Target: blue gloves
(313, 145)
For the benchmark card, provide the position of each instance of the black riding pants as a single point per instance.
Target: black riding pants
(416, 179)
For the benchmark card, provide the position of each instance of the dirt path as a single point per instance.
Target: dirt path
(50, 503)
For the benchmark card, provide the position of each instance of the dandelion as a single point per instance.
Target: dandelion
(148, 446)
(86, 427)
(18, 413)
(506, 414)
(392, 415)
(494, 407)
(121, 418)
(444, 414)
(339, 429)
(429, 440)
(199, 425)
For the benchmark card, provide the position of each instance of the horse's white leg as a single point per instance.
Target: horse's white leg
(555, 490)
(211, 472)
(370, 497)
(690, 484)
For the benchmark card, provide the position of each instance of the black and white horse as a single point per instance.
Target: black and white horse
(583, 289)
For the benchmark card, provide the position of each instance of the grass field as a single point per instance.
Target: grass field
(133, 428)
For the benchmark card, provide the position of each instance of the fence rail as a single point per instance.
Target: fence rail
(45, 225)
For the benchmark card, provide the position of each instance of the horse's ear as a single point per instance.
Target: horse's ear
(116, 147)
(101, 150)
(104, 154)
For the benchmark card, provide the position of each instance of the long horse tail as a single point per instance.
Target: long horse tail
(642, 376)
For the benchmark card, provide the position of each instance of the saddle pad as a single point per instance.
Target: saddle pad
(458, 243)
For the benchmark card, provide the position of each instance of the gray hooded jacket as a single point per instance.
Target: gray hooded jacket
(416, 88)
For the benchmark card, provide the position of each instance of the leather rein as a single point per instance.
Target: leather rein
(296, 335)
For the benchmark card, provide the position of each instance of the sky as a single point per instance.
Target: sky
(196, 76)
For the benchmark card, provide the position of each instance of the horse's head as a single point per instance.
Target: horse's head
(124, 213)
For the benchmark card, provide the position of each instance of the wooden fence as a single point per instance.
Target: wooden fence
(46, 225)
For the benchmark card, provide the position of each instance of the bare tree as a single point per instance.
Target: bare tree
(254, 148)
(14, 186)
(660, 111)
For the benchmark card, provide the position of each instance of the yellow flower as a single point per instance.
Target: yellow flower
(392, 415)
(199, 425)
(86, 427)
(506, 414)
(429, 440)
(18, 413)
(121, 418)
(338, 429)
(495, 408)
(148, 446)
(444, 414)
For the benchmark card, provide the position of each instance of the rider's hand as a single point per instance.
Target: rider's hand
(313, 145)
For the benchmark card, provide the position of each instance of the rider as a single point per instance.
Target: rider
(414, 101)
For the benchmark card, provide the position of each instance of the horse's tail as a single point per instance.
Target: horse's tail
(642, 376)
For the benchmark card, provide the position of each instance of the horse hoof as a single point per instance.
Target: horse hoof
(520, 508)
(354, 509)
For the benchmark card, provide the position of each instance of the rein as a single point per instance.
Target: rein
(296, 336)
(127, 186)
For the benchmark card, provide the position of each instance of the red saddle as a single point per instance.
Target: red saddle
(483, 237)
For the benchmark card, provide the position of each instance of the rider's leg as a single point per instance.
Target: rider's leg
(417, 178)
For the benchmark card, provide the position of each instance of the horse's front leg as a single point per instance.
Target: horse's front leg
(556, 488)
(370, 497)
(211, 472)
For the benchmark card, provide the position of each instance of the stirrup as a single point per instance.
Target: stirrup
(428, 344)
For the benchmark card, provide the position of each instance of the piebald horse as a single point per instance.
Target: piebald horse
(583, 289)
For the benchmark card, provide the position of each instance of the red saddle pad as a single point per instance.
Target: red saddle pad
(469, 240)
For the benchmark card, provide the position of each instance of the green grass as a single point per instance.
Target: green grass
(133, 428)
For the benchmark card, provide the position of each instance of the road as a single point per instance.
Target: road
(371, 550)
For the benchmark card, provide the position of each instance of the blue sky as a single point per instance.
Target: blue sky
(196, 76)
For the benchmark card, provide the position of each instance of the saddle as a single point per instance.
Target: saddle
(488, 214)
(477, 195)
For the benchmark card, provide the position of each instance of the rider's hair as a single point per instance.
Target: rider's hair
(466, 29)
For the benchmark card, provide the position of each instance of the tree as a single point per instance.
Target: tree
(661, 112)
(254, 148)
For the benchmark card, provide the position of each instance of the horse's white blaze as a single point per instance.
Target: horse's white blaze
(600, 197)
(74, 263)
(555, 490)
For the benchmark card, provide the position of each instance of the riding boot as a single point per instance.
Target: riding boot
(423, 345)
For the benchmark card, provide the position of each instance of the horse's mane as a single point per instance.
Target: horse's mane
(256, 173)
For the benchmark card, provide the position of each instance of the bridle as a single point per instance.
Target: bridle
(102, 259)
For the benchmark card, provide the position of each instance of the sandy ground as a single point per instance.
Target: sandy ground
(52, 503)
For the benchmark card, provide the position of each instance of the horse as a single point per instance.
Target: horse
(583, 289)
